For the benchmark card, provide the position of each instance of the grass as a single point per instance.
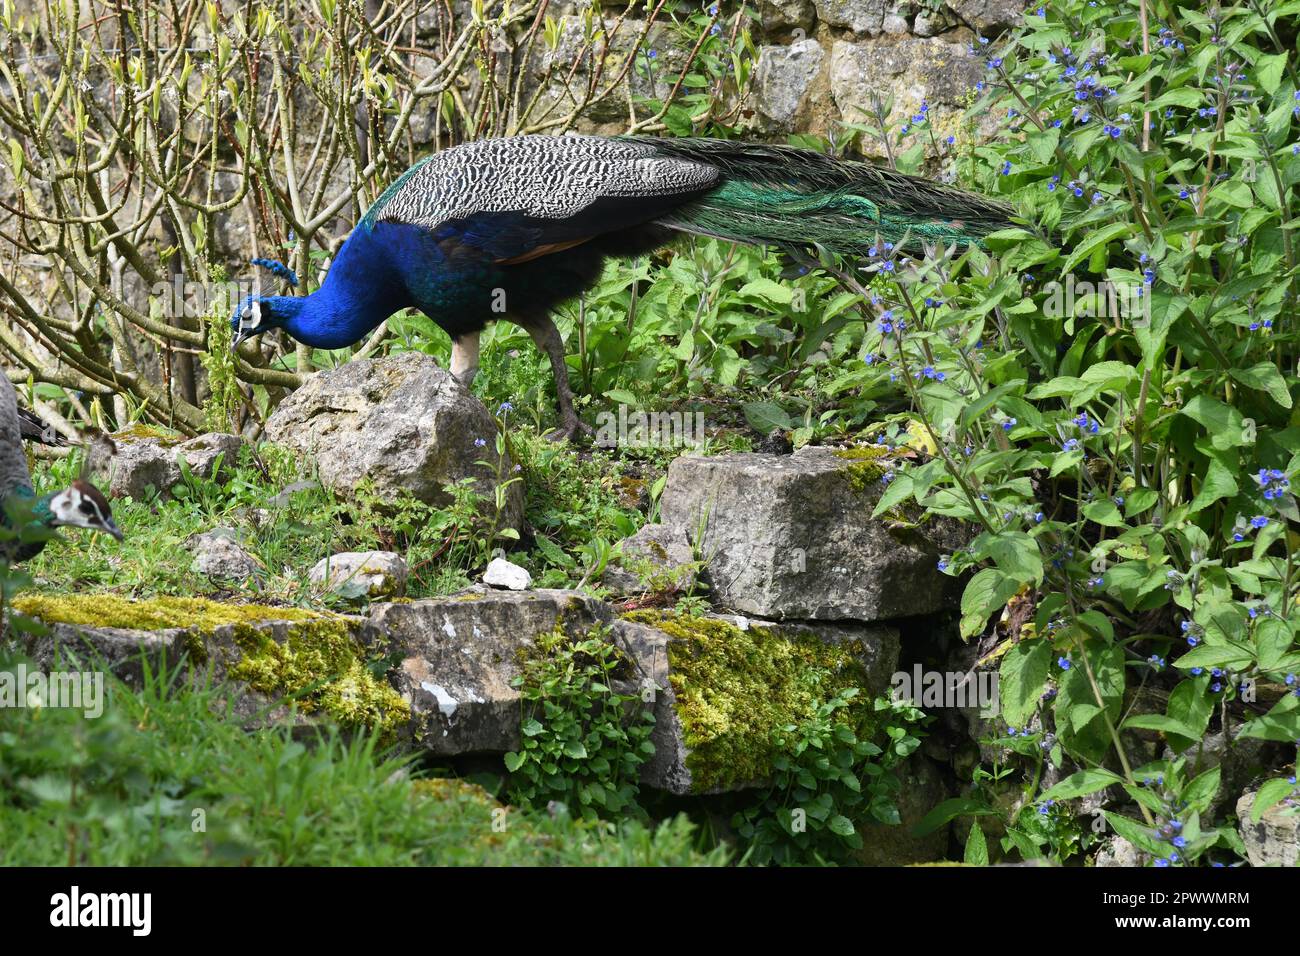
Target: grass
(168, 776)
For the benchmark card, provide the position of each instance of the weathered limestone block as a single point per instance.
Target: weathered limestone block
(785, 14)
(1275, 839)
(988, 18)
(149, 458)
(721, 685)
(271, 656)
(784, 81)
(401, 423)
(792, 537)
(459, 655)
(863, 17)
(913, 70)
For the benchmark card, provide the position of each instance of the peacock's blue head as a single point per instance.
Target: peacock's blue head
(255, 315)
(258, 314)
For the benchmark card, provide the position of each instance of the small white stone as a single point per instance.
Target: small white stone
(501, 573)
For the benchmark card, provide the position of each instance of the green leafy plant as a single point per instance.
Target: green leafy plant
(582, 741)
(829, 777)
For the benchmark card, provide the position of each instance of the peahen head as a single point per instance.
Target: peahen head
(82, 505)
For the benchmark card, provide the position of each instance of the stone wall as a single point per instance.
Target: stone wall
(826, 62)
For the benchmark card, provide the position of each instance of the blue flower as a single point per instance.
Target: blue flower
(1009, 424)
(479, 442)
(1063, 663)
(505, 408)
(1258, 521)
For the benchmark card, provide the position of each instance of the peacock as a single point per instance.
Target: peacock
(511, 227)
(80, 505)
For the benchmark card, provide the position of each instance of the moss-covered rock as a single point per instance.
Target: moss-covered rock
(150, 614)
(732, 688)
(311, 657)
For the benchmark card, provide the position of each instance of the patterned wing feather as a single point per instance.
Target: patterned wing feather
(513, 197)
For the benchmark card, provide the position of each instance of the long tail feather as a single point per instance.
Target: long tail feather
(796, 198)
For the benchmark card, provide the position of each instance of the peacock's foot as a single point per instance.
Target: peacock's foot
(573, 425)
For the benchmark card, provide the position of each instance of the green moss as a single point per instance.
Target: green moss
(452, 788)
(150, 614)
(140, 432)
(735, 688)
(866, 469)
(320, 664)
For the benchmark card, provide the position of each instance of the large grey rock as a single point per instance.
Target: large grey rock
(401, 423)
(863, 17)
(144, 461)
(136, 637)
(792, 537)
(459, 656)
(362, 574)
(219, 556)
(1275, 839)
(784, 78)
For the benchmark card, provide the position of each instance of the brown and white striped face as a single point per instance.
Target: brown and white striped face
(84, 506)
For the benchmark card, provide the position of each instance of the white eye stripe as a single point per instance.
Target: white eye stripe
(252, 316)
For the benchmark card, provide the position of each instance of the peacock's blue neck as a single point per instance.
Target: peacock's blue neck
(361, 289)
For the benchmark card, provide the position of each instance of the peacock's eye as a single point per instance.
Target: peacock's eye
(87, 508)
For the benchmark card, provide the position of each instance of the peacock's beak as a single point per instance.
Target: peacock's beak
(241, 336)
(111, 527)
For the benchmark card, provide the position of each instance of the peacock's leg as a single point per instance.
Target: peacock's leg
(547, 338)
(464, 358)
